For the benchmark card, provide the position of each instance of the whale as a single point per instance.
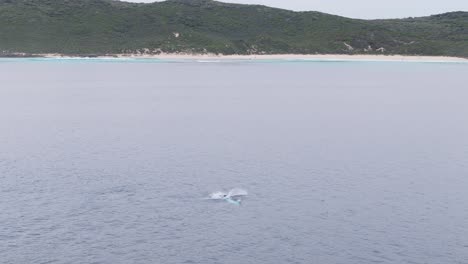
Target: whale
(234, 196)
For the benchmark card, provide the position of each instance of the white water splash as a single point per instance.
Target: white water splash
(235, 194)
(217, 195)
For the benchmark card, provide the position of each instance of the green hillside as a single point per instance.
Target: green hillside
(203, 26)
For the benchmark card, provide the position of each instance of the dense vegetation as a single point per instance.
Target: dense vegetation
(202, 26)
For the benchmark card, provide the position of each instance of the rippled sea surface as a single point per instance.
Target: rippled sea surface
(344, 162)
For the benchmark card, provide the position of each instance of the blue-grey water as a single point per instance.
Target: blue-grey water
(344, 162)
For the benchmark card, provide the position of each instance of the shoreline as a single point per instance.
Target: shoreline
(297, 57)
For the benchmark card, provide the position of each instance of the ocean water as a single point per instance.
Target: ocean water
(344, 162)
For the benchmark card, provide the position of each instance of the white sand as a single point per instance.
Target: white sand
(325, 57)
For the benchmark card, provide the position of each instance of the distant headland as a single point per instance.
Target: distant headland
(94, 28)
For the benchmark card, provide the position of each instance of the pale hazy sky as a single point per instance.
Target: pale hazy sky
(363, 8)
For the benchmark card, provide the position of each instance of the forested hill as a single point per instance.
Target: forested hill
(205, 26)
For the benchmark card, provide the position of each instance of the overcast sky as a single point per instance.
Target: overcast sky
(364, 8)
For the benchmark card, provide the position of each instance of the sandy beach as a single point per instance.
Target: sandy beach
(325, 57)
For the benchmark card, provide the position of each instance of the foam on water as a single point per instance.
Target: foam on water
(232, 194)
(237, 192)
(217, 195)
